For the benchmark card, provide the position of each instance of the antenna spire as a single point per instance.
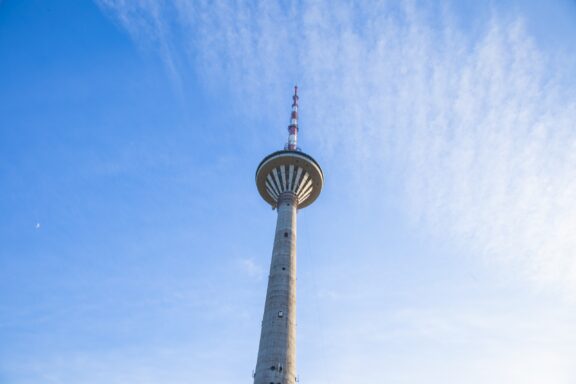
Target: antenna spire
(292, 144)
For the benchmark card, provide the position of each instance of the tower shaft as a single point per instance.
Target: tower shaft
(288, 180)
(277, 351)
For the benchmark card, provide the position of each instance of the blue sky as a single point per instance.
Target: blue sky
(134, 247)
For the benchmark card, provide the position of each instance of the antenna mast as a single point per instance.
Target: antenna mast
(292, 144)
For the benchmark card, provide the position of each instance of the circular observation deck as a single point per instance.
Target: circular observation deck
(289, 171)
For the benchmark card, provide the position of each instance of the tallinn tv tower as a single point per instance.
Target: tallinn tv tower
(288, 180)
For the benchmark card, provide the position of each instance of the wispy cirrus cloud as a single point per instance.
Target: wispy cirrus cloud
(147, 22)
(497, 348)
(251, 268)
(474, 127)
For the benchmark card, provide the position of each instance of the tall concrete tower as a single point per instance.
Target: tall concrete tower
(288, 180)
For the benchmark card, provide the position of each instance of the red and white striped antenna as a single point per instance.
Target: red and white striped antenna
(293, 127)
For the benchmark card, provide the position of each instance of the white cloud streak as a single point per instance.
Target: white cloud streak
(147, 22)
(251, 268)
(476, 130)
